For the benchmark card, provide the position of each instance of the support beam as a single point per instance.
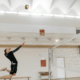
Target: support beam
(52, 56)
(72, 4)
(49, 62)
(9, 2)
(79, 49)
(31, 4)
(52, 4)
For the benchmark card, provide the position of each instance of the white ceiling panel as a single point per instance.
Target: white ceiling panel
(43, 6)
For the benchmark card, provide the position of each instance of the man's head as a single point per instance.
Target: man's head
(7, 50)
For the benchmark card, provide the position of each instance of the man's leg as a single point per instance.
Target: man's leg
(6, 77)
(14, 74)
(8, 70)
(3, 69)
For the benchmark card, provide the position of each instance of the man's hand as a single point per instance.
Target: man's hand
(23, 43)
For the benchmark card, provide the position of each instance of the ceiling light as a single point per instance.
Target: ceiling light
(69, 16)
(2, 12)
(47, 14)
(36, 14)
(56, 15)
(10, 12)
(77, 17)
(57, 40)
(23, 13)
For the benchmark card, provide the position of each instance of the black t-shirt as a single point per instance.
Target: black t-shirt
(11, 56)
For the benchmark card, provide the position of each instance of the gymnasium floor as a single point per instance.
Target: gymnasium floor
(70, 79)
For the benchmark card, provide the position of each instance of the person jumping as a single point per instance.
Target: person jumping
(9, 54)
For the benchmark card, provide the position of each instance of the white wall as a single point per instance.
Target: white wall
(35, 28)
(39, 20)
(17, 23)
(28, 62)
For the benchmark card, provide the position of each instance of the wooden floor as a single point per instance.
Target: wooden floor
(64, 79)
(70, 79)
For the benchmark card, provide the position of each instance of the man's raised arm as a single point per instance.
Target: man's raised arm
(18, 48)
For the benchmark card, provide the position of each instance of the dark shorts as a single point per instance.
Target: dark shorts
(13, 68)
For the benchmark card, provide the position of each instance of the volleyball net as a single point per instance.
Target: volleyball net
(70, 51)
